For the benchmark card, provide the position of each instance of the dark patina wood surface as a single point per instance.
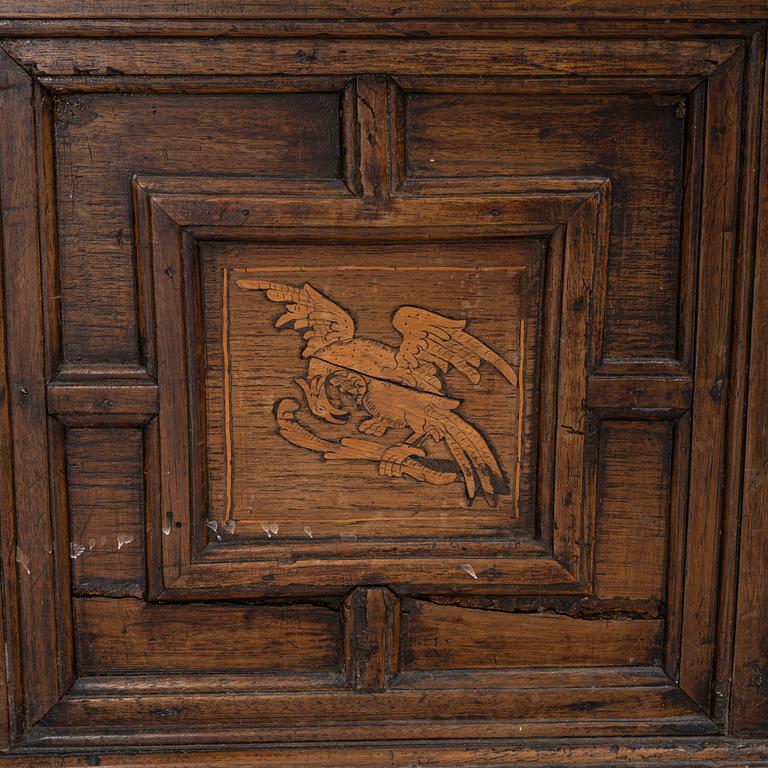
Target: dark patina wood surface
(383, 384)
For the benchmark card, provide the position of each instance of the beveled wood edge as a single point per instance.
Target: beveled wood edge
(371, 638)
(102, 712)
(182, 684)
(751, 184)
(384, 9)
(748, 704)
(85, 741)
(639, 397)
(232, 580)
(712, 390)
(569, 200)
(194, 84)
(10, 669)
(574, 494)
(501, 679)
(698, 752)
(416, 56)
(247, 213)
(479, 26)
(31, 563)
(251, 549)
(102, 398)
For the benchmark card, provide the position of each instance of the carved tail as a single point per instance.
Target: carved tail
(471, 453)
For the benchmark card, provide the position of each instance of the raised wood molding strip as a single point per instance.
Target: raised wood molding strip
(258, 56)
(102, 398)
(371, 638)
(699, 752)
(481, 27)
(717, 256)
(384, 9)
(577, 207)
(639, 396)
(29, 544)
(365, 105)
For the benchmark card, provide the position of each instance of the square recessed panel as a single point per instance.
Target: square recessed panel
(276, 469)
(444, 323)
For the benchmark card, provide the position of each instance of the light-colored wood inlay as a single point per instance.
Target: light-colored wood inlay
(227, 393)
(397, 387)
(520, 415)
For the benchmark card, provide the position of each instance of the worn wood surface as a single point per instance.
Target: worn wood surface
(646, 57)
(633, 504)
(711, 9)
(749, 697)
(283, 536)
(450, 637)
(100, 144)
(710, 396)
(371, 638)
(30, 553)
(106, 515)
(128, 635)
(534, 135)
(700, 752)
(373, 373)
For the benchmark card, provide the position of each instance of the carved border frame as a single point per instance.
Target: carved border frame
(725, 86)
(572, 215)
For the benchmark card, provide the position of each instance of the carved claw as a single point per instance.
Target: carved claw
(374, 427)
(391, 463)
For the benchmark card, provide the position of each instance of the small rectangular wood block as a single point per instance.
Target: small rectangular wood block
(371, 638)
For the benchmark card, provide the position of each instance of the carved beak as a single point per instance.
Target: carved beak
(318, 402)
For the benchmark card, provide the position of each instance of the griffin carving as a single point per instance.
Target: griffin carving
(396, 388)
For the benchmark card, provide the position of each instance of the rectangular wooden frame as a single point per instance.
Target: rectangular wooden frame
(574, 221)
(33, 549)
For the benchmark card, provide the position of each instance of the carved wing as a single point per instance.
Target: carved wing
(325, 322)
(432, 342)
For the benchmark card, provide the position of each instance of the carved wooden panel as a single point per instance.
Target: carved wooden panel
(461, 517)
(349, 407)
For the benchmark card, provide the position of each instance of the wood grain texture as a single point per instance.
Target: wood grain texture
(634, 479)
(128, 635)
(370, 113)
(400, 57)
(727, 9)
(485, 26)
(103, 140)
(749, 698)
(102, 399)
(106, 511)
(32, 556)
(175, 418)
(371, 638)
(562, 199)
(437, 714)
(258, 364)
(447, 637)
(716, 261)
(703, 752)
(746, 254)
(644, 398)
(10, 691)
(281, 563)
(533, 135)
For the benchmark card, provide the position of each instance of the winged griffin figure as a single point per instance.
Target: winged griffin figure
(397, 388)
